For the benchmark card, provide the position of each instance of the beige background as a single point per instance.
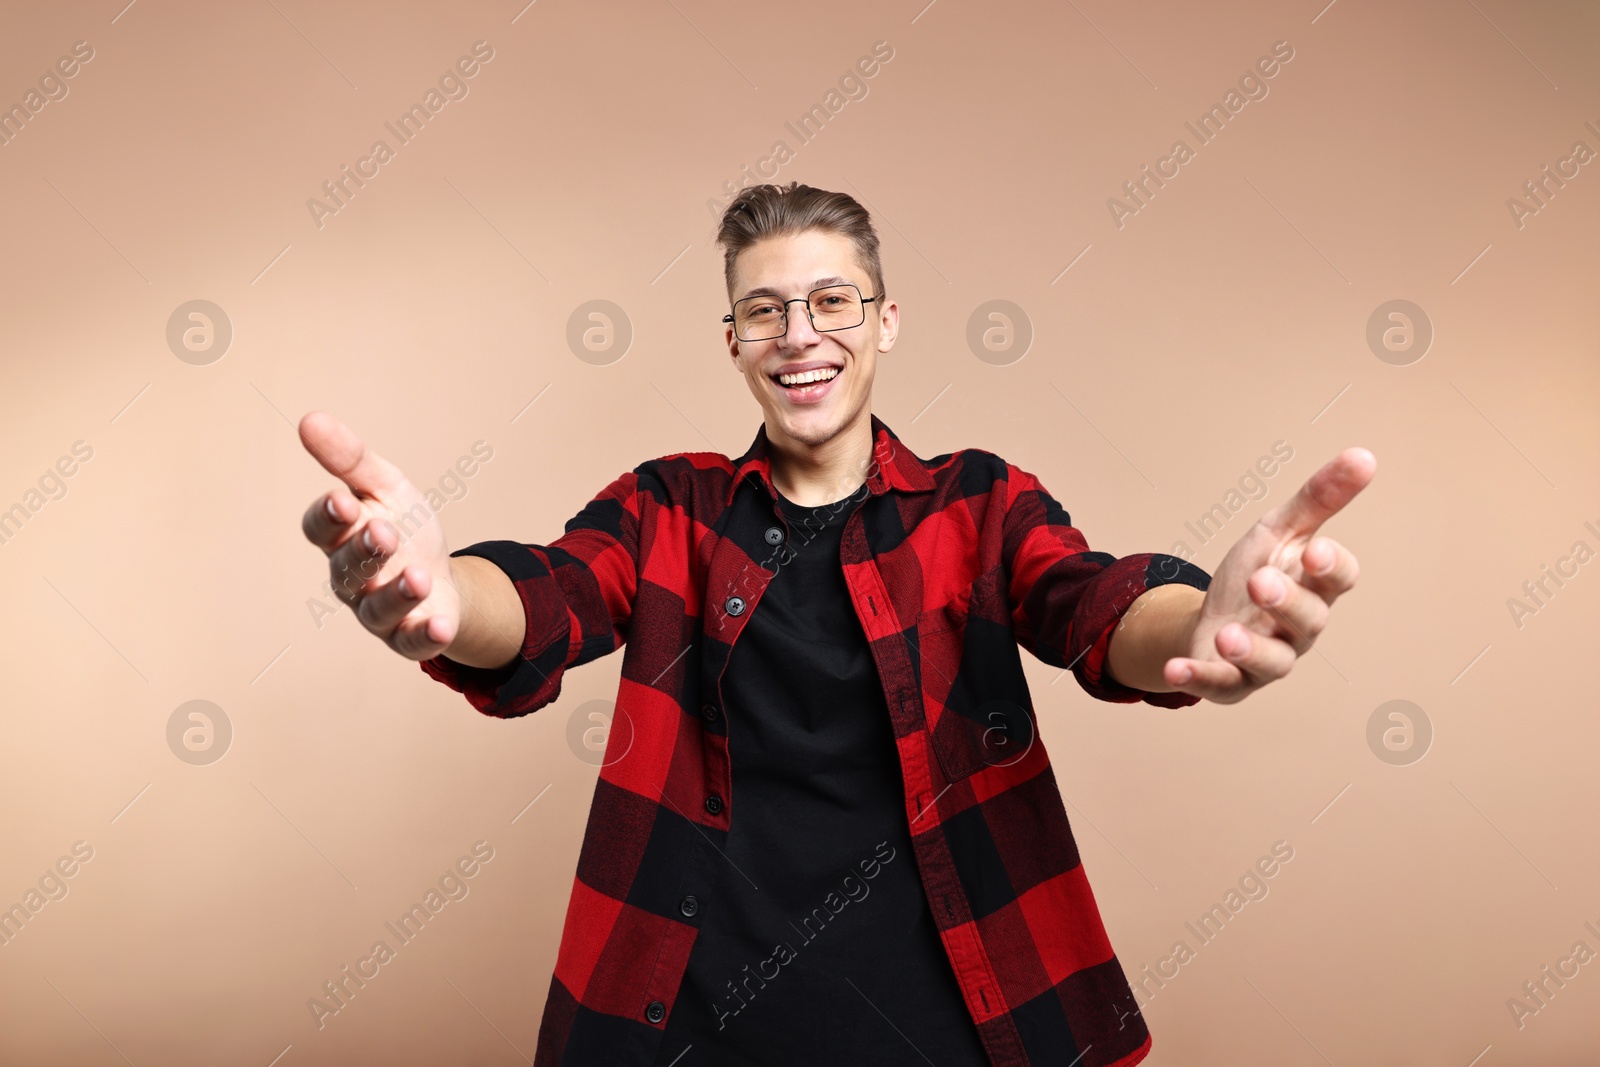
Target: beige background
(1230, 313)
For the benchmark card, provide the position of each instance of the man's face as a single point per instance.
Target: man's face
(790, 268)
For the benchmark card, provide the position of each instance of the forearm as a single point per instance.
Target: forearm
(1156, 627)
(492, 619)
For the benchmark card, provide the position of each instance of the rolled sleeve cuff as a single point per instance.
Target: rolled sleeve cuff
(1120, 584)
(533, 679)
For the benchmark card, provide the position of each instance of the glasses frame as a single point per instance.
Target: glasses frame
(806, 300)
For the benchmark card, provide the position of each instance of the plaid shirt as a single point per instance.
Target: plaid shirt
(952, 563)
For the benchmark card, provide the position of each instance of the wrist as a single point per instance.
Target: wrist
(1159, 625)
(1189, 622)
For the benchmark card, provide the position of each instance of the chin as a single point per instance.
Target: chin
(817, 428)
(814, 433)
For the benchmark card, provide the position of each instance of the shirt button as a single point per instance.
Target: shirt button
(656, 1011)
(735, 605)
(708, 713)
(774, 536)
(713, 803)
(689, 905)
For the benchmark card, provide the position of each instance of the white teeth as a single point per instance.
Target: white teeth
(804, 377)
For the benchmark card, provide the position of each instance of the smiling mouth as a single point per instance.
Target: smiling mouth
(807, 380)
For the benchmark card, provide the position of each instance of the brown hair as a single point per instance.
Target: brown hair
(762, 211)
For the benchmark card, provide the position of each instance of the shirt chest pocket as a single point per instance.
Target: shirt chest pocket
(976, 705)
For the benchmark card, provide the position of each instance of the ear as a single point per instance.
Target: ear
(888, 326)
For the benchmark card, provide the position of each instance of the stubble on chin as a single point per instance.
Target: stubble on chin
(819, 433)
(805, 433)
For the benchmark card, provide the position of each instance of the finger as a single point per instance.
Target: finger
(1214, 680)
(422, 638)
(1293, 612)
(325, 523)
(383, 608)
(343, 455)
(360, 559)
(1259, 657)
(1333, 486)
(1330, 568)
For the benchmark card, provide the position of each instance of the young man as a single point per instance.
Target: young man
(824, 830)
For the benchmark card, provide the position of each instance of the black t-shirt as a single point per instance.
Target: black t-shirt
(815, 944)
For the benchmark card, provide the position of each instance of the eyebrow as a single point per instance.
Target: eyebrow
(767, 290)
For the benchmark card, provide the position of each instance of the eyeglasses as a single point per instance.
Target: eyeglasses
(833, 307)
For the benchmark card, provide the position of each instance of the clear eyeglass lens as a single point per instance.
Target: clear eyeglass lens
(838, 307)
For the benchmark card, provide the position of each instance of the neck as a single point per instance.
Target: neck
(814, 474)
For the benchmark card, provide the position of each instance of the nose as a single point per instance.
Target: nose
(798, 332)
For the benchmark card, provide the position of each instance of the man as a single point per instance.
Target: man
(825, 830)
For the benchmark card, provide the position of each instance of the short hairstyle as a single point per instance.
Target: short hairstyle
(762, 211)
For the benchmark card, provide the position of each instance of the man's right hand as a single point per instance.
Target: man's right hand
(386, 551)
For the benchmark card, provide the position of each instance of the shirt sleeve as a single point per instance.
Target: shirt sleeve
(577, 598)
(1066, 601)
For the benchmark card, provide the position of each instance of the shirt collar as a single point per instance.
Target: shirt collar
(893, 465)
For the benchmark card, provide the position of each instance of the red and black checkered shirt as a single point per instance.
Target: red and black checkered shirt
(952, 563)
